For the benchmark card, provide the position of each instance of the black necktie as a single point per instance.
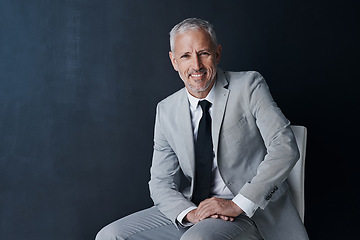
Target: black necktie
(203, 156)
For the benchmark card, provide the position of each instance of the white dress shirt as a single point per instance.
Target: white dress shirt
(218, 188)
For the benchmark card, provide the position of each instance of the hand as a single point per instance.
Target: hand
(190, 217)
(217, 208)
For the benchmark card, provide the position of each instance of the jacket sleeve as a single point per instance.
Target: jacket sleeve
(165, 175)
(282, 152)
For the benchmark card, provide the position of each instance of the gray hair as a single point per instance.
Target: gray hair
(192, 24)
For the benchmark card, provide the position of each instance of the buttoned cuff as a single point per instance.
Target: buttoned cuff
(181, 216)
(245, 204)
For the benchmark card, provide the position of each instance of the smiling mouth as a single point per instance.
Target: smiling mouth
(197, 75)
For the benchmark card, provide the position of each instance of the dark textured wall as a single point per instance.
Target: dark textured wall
(79, 82)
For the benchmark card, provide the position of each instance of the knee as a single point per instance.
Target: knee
(107, 234)
(102, 235)
(191, 235)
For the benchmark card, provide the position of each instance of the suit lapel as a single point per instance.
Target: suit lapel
(185, 123)
(221, 97)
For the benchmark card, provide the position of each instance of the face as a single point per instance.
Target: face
(195, 59)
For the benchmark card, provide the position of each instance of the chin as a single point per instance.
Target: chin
(200, 89)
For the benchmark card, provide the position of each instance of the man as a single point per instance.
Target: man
(234, 146)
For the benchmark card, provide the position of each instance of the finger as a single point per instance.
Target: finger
(205, 214)
(226, 218)
(204, 211)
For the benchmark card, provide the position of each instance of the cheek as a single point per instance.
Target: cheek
(183, 69)
(181, 73)
(210, 63)
(211, 68)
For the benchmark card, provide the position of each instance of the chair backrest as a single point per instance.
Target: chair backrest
(296, 179)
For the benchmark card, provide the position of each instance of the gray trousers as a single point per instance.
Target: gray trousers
(151, 224)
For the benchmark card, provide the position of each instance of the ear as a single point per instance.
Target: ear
(218, 54)
(173, 61)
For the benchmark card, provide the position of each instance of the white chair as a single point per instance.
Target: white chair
(296, 179)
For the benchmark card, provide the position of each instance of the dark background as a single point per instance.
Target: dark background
(79, 82)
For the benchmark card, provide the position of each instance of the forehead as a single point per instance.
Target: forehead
(192, 40)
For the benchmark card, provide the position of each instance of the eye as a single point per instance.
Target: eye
(185, 56)
(204, 54)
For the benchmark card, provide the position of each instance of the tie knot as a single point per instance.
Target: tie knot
(205, 105)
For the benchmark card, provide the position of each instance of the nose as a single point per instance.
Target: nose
(197, 62)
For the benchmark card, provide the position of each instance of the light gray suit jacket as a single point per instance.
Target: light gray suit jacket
(255, 149)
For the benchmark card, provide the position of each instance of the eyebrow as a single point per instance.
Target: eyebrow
(202, 50)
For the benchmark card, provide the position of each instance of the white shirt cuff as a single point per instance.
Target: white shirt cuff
(245, 204)
(182, 215)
